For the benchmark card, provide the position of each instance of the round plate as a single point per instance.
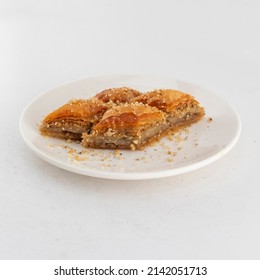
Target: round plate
(187, 150)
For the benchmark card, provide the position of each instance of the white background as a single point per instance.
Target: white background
(49, 213)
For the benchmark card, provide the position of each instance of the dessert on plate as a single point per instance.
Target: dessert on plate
(181, 108)
(123, 118)
(118, 95)
(127, 126)
(72, 119)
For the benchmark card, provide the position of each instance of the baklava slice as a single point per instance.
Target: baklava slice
(72, 119)
(118, 95)
(181, 108)
(128, 126)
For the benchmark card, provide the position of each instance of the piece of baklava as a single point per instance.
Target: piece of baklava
(118, 95)
(128, 126)
(181, 108)
(72, 119)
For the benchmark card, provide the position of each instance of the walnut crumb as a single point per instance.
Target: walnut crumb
(71, 151)
(78, 158)
(132, 146)
(172, 153)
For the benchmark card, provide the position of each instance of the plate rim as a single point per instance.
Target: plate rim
(131, 175)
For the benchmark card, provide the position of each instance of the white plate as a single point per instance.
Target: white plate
(203, 143)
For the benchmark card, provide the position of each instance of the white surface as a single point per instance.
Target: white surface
(46, 212)
(190, 149)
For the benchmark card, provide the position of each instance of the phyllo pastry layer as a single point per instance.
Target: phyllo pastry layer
(72, 119)
(181, 108)
(123, 118)
(128, 126)
(118, 95)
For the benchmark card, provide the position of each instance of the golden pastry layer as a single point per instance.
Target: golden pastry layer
(72, 119)
(180, 108)
(122, 118)
(118, 95)
(127, 126)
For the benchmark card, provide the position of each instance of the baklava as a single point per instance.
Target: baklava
(72, 119)
(128, 126)
(118, 95)
(181, 108)
(122, 118)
